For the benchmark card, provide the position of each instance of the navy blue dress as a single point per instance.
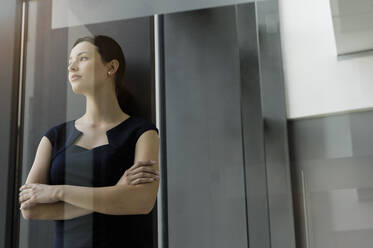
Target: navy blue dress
(98, 167)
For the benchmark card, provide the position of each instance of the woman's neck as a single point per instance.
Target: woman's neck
(103, 109)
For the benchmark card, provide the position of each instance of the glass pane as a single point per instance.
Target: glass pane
(329, 99)
(205, 126)
(82, 154)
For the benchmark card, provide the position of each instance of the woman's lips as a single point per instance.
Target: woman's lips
(75, 77)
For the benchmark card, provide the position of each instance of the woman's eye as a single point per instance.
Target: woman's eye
(81, 59)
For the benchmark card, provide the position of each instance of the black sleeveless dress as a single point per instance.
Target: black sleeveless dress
(98, 167)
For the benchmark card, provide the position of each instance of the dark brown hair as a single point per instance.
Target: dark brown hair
(109, 49)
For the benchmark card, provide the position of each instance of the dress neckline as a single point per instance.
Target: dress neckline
(110, 129)
(107, 134)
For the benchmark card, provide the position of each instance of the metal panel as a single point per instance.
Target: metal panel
(161, 123)
(206, 191)
(275, 126)
(332, 168)
(252, 128)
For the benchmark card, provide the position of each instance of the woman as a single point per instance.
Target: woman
(96, 176)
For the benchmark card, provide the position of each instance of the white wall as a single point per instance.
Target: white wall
(315, 81)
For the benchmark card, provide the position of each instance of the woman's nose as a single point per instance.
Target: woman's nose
(72, 67)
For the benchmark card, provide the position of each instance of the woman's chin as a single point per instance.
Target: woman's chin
(76, 89)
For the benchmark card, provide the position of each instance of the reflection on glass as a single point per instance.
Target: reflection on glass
(96, 176)
(82, 175)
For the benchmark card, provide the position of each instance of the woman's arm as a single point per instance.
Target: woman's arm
(39, 174)
(122, 198)
(139, 173)
(54, 211)
(119, 199)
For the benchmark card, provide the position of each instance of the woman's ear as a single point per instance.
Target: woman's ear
(113, 66)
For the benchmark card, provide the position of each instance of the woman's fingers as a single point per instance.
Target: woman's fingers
(26, 198)
(24, 195)
(143, 169)
(27, 204)
(23, 198)
(142, 177)
(141, 163)
(140, 172)
(142, 180)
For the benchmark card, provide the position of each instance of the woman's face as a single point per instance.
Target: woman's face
(87, 72)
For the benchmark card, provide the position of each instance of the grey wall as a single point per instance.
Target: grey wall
(228, 177)
(253, 128)
(216, 178)
(206, 190)
(275, 126)
(331, 159)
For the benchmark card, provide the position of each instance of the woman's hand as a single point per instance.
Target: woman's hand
(140, 172)
(34, 193)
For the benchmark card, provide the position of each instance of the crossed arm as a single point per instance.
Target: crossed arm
(41, 201)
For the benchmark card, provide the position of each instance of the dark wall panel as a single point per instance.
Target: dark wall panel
(275, 125)
(252, 127)
(205, 176)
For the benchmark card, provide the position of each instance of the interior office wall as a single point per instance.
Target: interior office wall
(330, 154)
(214, 74)
(332, 168)
(10, 21)
(275, 125)
(207, 163)
(317, 82)
(253, 127)
(205, 177)
(49, 99)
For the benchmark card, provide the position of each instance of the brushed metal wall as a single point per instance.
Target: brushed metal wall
(275, 126)
(205, 175)
(331, 159)
(228, 174)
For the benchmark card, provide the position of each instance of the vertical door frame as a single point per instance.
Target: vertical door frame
(280, 203)
(14, 116)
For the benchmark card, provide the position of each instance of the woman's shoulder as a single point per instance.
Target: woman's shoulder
(141, 123)
(62, 126)
(58, 130)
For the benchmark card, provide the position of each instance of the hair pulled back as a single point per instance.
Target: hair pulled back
(109, 49)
